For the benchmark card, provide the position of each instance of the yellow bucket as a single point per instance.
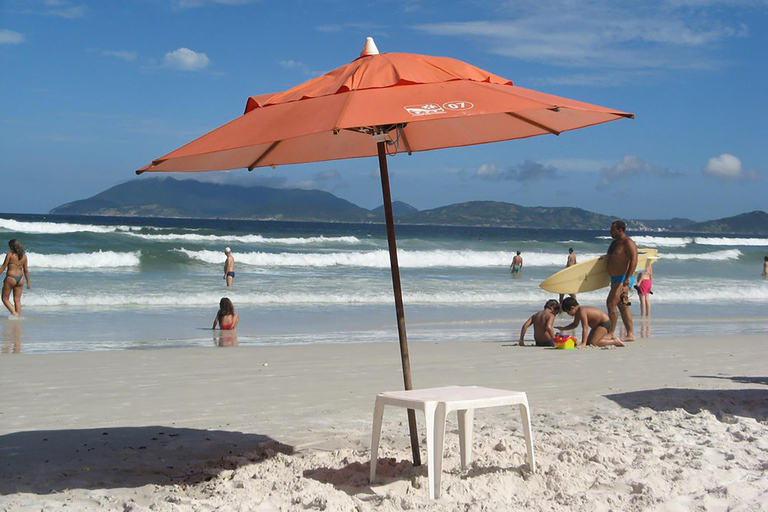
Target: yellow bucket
(564, 342)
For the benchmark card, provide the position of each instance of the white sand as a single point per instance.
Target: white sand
(663, 424)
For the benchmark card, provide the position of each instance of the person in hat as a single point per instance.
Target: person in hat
(229, 267)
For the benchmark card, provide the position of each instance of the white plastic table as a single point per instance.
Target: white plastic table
(436, 403)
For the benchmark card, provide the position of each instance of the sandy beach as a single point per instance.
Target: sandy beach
(664, 424)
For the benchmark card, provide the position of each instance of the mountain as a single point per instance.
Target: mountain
(752, 223)
(399, 209)
(168, 197)
(494, 213)
(673, 224)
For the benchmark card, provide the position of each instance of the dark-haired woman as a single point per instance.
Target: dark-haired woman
(16, 263)
(226, 318)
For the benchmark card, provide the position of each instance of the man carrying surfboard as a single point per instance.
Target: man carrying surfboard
(621, 264)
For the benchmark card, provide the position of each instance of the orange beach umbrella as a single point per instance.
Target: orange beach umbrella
(376, 105)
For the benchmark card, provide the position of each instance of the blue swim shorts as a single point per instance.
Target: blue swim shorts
(621, 278)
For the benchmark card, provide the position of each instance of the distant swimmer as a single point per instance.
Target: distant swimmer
(229, 267)
(517, 264)
(571, 261)
(543, 332)
(18, 272)
(765, 266)
(226, 318)
(590, 318)
(622, 261)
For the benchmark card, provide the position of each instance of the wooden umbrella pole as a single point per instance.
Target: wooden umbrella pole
(399, 310)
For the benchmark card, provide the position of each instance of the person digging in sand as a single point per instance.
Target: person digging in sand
(543, 333)
(589, 318)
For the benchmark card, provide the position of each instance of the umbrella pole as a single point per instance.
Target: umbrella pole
(399, 310)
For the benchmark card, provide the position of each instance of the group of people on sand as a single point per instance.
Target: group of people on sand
(598, 327)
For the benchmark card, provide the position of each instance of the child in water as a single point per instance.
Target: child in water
(226, 318)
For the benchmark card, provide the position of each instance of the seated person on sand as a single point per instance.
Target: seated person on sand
(543, 333)
(591, 318)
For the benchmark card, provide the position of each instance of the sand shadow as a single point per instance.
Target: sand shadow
(353, 478)
(44, 462)
(739, 379)
(723, 403)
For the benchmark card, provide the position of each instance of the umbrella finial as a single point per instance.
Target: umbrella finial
(369, 48)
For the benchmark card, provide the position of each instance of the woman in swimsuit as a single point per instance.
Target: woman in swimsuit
(226, 318)
(643, 287)
(16, 263)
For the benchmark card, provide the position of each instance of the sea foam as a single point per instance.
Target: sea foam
(85, 260)
(246, 239)
(380, 258)
(52, 228)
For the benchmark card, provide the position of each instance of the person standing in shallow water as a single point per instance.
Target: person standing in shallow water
(229, 267)
(622, 261)
(571, 261)
(18, 272)
(517, 264)
(765, 266)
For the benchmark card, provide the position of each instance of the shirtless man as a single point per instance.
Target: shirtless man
(765, 266)
(18, 272)
(543, 333)
(622, 260)
(229, 267)
(517, 264)
(571, 261)
(591, 318)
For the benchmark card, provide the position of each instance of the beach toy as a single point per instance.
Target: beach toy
(564, 341)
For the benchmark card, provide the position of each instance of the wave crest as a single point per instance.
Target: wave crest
(85, 260)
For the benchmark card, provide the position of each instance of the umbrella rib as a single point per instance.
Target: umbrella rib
(532, 122)
(401, 129)
(263, 155)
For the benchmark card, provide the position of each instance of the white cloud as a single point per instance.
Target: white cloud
(185, 59)
(728, 167)
(486, 172)
(525, 172)
(631, 167)
(122, 55)
(10, 36)
(189, 4)
(601, 34)
(64, 9)
(576, 164)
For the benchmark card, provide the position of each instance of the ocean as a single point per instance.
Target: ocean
(110, 283)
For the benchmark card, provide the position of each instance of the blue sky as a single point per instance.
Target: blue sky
(91, 91)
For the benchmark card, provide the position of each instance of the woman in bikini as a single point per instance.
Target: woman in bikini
(16, 263)
(226, 318)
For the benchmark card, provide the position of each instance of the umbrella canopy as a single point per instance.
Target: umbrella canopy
(381, 104)
(422, 102)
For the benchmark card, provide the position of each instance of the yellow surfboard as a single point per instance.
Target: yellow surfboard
(591, 274)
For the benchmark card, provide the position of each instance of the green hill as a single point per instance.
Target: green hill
(752, 223)
(168, 197)
(494, 213)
